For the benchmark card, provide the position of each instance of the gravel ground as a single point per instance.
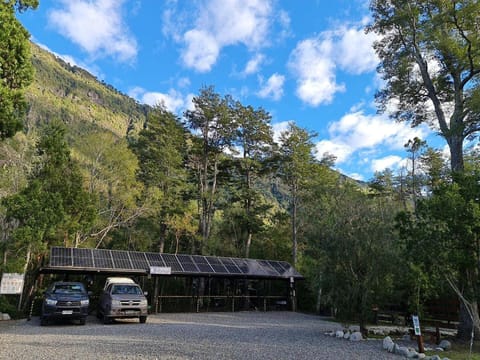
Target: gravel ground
(241, 335)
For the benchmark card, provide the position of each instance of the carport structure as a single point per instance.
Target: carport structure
(210, 281)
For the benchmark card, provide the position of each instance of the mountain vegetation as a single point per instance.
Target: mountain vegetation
(92, 167)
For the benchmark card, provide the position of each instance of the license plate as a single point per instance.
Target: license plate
(130, 312)
(67, 312)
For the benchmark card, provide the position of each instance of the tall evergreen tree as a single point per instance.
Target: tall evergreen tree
(54, 208)
(212, 120)
(296, 161)
(161, 151)
(255, 140)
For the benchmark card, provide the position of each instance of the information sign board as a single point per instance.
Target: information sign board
(416, 325)
(12, 283)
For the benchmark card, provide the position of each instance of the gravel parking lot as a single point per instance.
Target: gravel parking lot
(241, 335)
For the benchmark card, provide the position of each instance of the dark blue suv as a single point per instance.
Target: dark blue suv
(65, 300)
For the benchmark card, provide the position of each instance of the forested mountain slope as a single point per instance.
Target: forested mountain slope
(85, 104)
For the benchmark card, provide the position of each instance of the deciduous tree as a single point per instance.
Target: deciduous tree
(430, 61)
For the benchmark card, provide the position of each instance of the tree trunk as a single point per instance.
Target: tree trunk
(294, 230)
(247, 245)
(466, 323)
(455, 144)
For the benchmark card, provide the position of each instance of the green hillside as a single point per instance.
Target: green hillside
(77, 98)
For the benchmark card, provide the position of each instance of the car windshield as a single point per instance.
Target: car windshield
(126, 289)
(68, 289)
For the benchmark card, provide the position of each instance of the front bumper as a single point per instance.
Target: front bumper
(66, 312)
(127, 312)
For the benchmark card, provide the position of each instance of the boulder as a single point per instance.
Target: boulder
(402, 350)
(388, 343)
(5, 317)
(445, 345)
(339, 334)
(356, 336)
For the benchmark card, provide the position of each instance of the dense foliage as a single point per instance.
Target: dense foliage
(16, 70)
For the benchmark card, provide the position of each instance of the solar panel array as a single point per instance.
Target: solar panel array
(181, 264)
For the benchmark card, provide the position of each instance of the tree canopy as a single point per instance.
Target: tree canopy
(430, 61)
(16, 69)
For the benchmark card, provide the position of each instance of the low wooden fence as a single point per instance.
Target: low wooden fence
(175, 303)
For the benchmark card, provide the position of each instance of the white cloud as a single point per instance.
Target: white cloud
(313, 63)
(173, 101)
(201, 50)
(273, 88)
(217, 24)
(253, 65)
(389, 162)
(96, 26)
(356, 133)
(356, 54)
(341, 150)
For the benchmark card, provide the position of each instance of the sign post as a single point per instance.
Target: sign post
(418, 333)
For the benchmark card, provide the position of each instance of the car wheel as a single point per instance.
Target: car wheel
(143, 319)
(43, 321)
(82, 321)
(107, 320)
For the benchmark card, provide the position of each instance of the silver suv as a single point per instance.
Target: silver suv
(122, 300)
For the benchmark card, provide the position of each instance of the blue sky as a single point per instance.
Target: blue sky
(305, 61)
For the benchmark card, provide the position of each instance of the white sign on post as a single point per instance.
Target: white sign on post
(416, 325)
(12, 283)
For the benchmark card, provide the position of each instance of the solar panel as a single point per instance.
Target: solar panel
(172, 262)
(82, 257)
(118, 261)
(242, 265)
(155, 259)
(216, 265)
(268, 268)
(102, 259)
(139, 260)
(61, 257)
(121, 260)
(202, 264)
(188, 263)
(230, 265)
(277, 266)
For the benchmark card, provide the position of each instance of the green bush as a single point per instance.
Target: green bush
(8, 306)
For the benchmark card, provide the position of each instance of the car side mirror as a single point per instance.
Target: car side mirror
(145, 293)
(89, 293)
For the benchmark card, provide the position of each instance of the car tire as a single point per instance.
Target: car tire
(82, 321)
(43, 321)
(107, 320)
(143, 319)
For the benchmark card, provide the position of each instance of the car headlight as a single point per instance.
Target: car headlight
(143, 302)
(84, 302)
(116, 303)
(51, 302)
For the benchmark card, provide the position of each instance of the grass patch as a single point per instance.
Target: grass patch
(460, 351)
